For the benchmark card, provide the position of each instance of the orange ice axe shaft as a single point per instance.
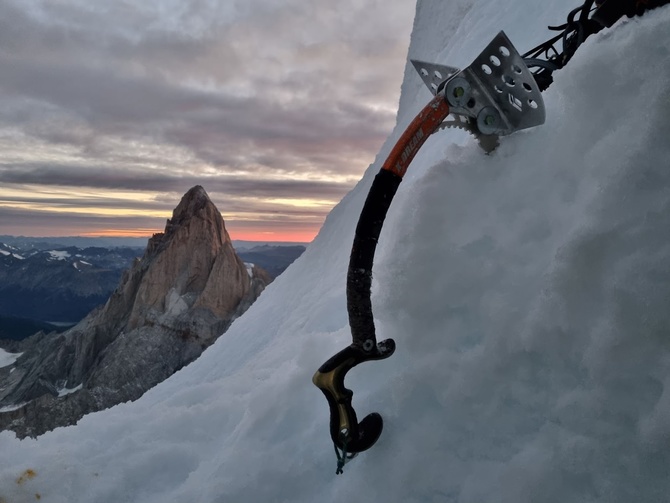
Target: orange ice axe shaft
(347, 433)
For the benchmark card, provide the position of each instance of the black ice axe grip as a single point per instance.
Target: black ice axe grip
(346, 432)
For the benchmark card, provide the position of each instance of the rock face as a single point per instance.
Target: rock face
(169, 306)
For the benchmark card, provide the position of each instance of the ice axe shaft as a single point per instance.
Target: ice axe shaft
(346, 432)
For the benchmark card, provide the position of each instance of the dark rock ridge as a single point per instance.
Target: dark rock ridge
(169, 306)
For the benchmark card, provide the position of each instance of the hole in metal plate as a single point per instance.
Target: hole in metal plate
(515, 102)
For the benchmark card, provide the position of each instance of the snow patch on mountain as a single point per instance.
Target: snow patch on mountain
(250, 268)
(59, 254)
(15, 255)
(11, 408)
(67, 391)
(7, 359)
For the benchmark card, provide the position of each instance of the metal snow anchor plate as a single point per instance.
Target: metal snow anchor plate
(496, 92)
(434, 75)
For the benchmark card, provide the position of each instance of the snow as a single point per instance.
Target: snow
(7, 359)
(10, 408)
(82, 262)
(527, 292)
(15, 255)
(67, 391)
(250, 269)
(58, 254)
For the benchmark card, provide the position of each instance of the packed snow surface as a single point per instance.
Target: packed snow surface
(527, 292)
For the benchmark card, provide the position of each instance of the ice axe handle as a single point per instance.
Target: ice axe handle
(345, 430)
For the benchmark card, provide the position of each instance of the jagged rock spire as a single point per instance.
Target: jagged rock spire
(169, 306)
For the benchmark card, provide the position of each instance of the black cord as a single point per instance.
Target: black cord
(546, 58)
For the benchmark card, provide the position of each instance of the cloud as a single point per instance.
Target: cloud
(19, 222)
(271, 97)
(145, 180)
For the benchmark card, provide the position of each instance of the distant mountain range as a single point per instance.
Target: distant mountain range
(51, 284)
(273, 258)
(43, 243)
(112, 242)
(58, 284)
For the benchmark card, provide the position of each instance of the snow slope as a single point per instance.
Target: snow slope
(527, 292)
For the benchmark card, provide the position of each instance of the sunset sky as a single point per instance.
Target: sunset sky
(110, 111)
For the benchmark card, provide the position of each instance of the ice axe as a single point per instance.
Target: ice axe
(496, 95)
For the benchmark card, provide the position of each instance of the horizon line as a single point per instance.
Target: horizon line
(274, 239)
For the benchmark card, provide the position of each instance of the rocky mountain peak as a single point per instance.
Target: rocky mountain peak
(169, 306)
(195, 203)
(195, 198)
(195, 213)
(191, 265)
